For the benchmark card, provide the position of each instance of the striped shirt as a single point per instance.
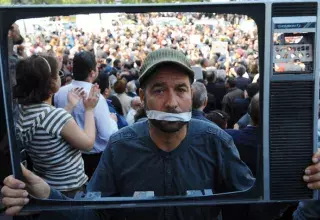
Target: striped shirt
(39, 128)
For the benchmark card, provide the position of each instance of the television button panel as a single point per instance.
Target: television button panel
(293, 45)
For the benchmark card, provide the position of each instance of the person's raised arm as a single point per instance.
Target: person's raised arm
(74, 97)
(72, 133)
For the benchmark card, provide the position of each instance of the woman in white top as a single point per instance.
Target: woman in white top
(50, 135)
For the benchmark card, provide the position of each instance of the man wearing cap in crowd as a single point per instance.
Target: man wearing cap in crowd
(168, 154)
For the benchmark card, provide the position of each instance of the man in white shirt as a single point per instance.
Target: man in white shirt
(85, 73)
(135, 105)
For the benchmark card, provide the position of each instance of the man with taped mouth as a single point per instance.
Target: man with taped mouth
(169, 154)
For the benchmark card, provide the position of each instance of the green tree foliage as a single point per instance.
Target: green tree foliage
(5, 2)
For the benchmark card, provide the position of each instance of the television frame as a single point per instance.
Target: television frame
(261, 12)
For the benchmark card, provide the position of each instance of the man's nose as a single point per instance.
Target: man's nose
(171, 102)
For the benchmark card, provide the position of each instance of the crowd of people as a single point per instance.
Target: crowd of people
(121, 111)
(222, 39)
(225, 46)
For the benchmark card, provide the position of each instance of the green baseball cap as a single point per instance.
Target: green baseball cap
(164, 56)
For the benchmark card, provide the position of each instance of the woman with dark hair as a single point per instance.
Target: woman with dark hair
(50, 135)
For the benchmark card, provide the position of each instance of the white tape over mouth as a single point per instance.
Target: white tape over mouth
(165, 116)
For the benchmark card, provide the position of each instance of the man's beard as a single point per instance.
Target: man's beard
(168, 126)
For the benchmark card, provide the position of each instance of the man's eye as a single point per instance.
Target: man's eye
(158, 91)
(182, 90)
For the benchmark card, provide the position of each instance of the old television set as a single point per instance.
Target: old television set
(289, 82)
